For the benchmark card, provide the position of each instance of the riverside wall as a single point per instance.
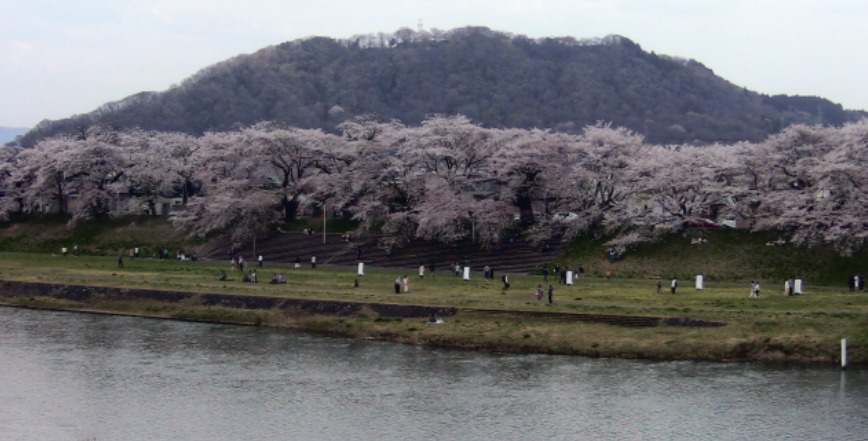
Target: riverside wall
(17, 291)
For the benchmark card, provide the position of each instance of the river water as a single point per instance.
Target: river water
(68, 376)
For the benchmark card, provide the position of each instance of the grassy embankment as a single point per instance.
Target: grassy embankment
(806, 328)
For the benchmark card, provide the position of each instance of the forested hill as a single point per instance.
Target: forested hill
(496, 79)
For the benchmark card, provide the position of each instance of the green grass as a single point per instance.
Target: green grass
(775, 327)
(48, 234)
(728, 255)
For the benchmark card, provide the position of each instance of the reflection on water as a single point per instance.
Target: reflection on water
(67, 376)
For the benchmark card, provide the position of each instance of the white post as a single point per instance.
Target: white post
(843, 353)
(700, 285)
(466, 273)
(361, 269)
(570, 278)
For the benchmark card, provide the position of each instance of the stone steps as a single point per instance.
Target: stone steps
(284, 248)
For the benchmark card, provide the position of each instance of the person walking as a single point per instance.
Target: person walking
(754, 290)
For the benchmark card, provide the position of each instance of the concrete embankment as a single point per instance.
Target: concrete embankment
(18, 293)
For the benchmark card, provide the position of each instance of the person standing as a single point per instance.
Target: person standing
(659, 286)
(259, 260)
(406, 284)
(313, 262)
(673, 285)
(539, 293)
(397, 285)
(551, 294)
(120, 260)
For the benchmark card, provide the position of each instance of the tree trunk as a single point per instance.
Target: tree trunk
(524, 203)
(290, 209)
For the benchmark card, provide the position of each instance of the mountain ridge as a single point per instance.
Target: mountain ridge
(494, 78)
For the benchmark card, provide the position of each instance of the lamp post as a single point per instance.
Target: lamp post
(324, 209)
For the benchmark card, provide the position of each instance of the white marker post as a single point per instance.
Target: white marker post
(361, 269)
(699, 283)
(797, 287)
(843, 353)
(466, 273)
(570, 278)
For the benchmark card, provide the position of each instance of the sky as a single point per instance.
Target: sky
(62, 57)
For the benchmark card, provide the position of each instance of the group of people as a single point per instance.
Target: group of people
(488, 272)
(539, 293)
(673, 286)
(754, 289)
(856, 282)
(562, 273)
(402, 282)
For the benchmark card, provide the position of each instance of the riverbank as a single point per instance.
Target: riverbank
(476, 314)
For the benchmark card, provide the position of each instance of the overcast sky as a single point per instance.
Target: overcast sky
(63, 57)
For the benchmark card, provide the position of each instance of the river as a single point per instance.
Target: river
(74, 377)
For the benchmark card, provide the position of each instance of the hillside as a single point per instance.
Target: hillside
(496, 79)
(726, 255)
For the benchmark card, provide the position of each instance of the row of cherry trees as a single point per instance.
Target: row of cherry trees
(448, 179)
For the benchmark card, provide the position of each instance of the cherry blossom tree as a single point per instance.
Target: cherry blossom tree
(814, 185)
(449, 179)
(595, 178)
(449, 164)
(292, 155)
(16, 175)
(231, 199)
